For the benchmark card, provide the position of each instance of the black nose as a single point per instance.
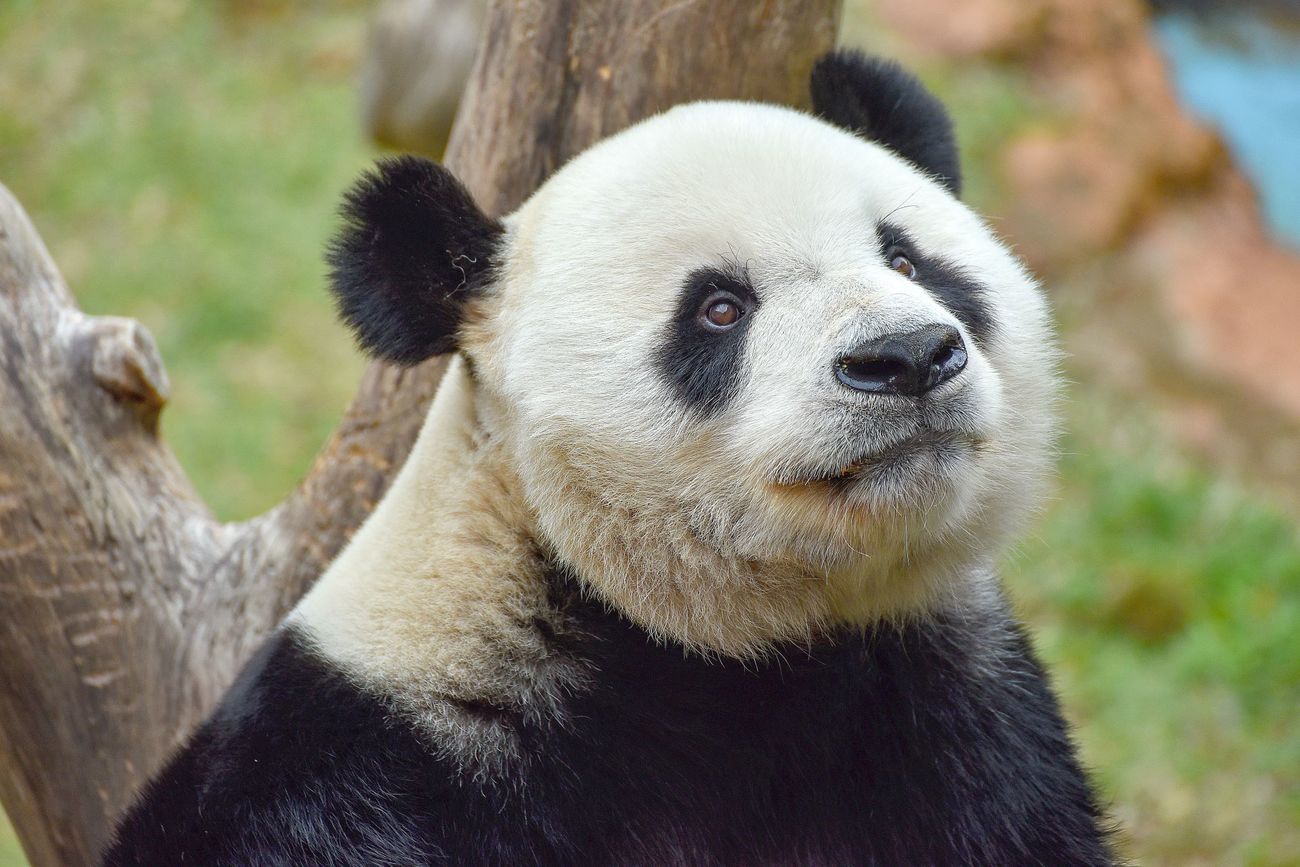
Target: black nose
(910, 364)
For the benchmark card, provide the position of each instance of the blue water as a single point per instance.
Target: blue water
(1241, 75)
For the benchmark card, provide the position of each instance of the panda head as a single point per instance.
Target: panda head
(757, 374)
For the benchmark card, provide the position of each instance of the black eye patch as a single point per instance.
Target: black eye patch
(702, 365)
(948, 282)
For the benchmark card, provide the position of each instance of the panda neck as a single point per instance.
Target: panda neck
(439, 593)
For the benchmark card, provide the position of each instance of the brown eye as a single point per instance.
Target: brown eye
(722, 313)
(904, 266)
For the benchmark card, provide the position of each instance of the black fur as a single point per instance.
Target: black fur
(879, 100)
(414, 246)
(955, 288)
(703, 367)
(934, 743)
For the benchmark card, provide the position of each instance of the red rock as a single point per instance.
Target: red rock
(1071, 195)
(1233, 289)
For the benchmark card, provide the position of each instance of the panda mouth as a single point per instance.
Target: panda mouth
(941, 445)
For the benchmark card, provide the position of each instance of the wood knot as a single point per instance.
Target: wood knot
(126, 363)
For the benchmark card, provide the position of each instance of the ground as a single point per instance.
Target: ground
(183, 163)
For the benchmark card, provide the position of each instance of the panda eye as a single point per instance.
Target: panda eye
(903, 265)
(721, 311)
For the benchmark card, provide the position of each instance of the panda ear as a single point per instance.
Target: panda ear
(878, 99)
(413, 249)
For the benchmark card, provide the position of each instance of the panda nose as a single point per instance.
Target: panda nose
(908, 364)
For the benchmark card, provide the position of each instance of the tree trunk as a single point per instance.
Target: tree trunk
(127, 608)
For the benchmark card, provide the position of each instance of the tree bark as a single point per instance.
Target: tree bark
(127, 608)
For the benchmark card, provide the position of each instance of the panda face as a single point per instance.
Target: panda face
(758, 376)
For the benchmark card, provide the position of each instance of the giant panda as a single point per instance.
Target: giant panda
(693, 562)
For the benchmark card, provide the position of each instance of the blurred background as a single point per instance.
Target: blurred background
(183, 162)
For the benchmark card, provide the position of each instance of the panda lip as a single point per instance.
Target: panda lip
(863, 464)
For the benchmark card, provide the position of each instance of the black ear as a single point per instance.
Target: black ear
(878, 99)
(412, 250)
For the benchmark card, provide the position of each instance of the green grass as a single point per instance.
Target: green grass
(10, 853)
(1167, 603)
(183, 167)
(183, 164)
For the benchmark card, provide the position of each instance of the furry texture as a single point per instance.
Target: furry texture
(413, 247)
(447, 619)
(714, 528)
(937, 742)
(880, 100)
(644, 596)
(704, 366)
(958, 290)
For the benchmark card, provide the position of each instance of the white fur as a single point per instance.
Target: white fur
(699, 530)
(432, 602)
(678, 522)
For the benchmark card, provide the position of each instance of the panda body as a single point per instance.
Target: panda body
(650, 590)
